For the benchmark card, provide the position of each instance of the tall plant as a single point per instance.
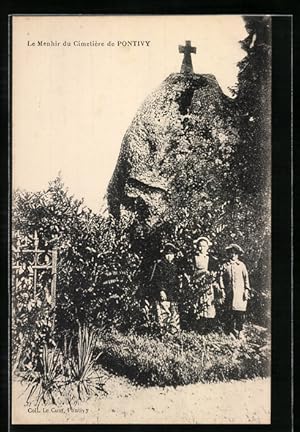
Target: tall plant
(83, 365)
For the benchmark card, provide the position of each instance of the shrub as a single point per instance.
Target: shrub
(32, 325)
(96, 270)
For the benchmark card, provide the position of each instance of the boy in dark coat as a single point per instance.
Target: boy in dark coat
(165, 284)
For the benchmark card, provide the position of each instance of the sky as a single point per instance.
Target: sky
(72, 104)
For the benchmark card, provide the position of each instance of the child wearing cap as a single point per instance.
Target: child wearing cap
(234, 280)
(165, 285)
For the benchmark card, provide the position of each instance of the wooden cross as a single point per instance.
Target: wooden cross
(187, 49)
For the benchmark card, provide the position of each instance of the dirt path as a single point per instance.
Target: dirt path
(233, 402)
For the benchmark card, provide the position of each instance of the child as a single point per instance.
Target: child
(165, 284)
(234, 280)
(205, 265)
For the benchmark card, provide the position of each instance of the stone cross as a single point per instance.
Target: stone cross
(187, 49)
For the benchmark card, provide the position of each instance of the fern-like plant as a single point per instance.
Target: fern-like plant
(45, 381)
(83, 365)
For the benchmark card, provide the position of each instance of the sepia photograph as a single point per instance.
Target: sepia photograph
(140, 279)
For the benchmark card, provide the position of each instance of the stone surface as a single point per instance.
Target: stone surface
(176, 123)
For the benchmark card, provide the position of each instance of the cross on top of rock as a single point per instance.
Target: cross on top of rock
(186, 50)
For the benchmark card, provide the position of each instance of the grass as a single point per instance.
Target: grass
(146, 360)
(186, 358)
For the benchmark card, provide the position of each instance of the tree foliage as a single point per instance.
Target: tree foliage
(254, 107)
(253, 156)
(96, 271)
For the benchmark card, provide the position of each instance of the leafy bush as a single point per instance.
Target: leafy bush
(32, 323)
(186, 358)
(96, 275)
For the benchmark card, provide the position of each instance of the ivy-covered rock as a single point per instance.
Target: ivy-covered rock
(177, 150)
